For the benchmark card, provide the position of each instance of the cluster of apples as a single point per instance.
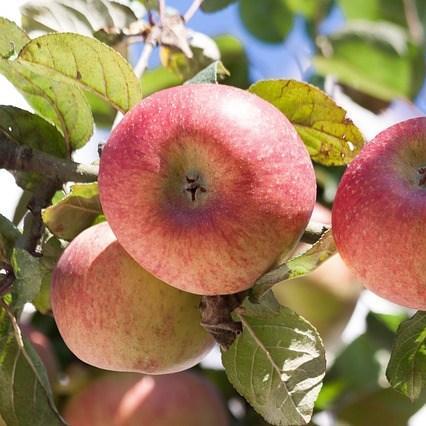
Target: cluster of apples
(204, 188)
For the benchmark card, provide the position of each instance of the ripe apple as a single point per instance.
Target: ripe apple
(182, 399)
(327, 296)
(114, 315)
(206, 186)
(379, 215)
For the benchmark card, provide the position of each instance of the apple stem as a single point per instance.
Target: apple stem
(216, 317)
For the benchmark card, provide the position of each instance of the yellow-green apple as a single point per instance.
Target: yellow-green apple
(379, 214)
(181, 399)
(206, 186)
(327, 296)
(114, 315)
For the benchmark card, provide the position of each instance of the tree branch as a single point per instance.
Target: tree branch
(313, 232)
(23, 158)
(413, 22)
(192, 9)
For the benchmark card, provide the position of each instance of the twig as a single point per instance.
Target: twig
(33, 221)
(413, 22)
(161, 9)
(313, 232)
(23, 158)
(149, 46)
(192, 10)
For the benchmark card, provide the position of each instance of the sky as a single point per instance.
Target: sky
(290, 59)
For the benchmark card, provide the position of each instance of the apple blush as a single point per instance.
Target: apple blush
(114, 315)
(206, 186)
(379, 214)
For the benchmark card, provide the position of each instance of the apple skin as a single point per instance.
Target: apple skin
(206, 186)
(182, 399)
(114, 315)
(379, 214)
(327, 296)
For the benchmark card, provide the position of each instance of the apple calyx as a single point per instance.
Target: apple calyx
(194, 186)
(422, 176)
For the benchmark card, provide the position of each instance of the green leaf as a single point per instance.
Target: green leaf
(158, 79)
(382, 407)
(268, 20)
(210, 74)
(375, 10)
(204, 52)
(345, 380)
(298, 266)
(61, 103)
(406, 371)
(210, 6)
(25, 397)
(234, 58)
(310, 9)
(277, 363)
(29, 129)
(330, 137)
(81, 60)
(52, 250)
(75, 212)
(27, 277)
(8, 235)
(12, 38)
(375, 58)
(77, 16)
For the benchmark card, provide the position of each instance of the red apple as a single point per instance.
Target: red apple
(206, 186)
(379, 215)
(182, 399)
(114, 315)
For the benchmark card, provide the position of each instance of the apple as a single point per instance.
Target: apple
(206, 186)
(327, 296)
(114, 315)
(181, 399)
(379, 214)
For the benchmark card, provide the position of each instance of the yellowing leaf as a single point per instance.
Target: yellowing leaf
(330, 137)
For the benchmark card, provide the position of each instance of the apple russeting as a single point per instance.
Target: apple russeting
(181, 399)
(205, 186)
(114, 315)
(379, 214)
